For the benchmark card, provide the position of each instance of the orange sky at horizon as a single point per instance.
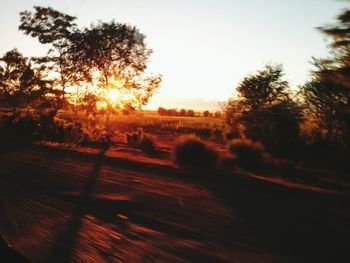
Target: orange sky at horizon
(202, 48)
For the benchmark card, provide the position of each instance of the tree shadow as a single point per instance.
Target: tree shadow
(85, 204)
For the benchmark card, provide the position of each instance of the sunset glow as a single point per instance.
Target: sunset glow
(174, 131)
(113, 96)
(211, 46)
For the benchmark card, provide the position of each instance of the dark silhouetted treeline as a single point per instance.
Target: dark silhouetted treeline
(315, 120)
(187, 113)
(174, 112)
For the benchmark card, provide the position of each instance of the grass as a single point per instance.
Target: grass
(156, 124)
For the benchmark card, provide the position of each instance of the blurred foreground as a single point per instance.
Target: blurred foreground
(64, 205)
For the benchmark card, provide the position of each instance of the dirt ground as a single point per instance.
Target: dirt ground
(64, 204)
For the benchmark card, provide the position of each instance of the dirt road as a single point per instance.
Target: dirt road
(59, 205)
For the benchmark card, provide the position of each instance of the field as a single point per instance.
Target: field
(67, 203)
(152, 122)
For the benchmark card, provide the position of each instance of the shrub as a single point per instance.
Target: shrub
(190, 151)
(247, 152)
(147, 145)
(25, 125)
(135, 138)
(97, 137)
(140, 140)
(50, 128)
(227, 162)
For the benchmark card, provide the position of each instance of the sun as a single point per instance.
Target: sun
(113, 96)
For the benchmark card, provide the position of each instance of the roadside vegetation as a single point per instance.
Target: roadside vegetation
(38, 101)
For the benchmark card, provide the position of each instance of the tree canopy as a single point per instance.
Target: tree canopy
(94, 59)
(265, 108)
(22, 85)
(327, 94)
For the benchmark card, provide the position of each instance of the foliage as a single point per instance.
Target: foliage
(266, 87)
(98, 59)
(191, 113)
(337, 67)
(328, 106)
(207, 113)
(277, 126)
(265, 108)
(142, 141)
(22, 86)
(135, 138)
(49, 128)
(247, 152)
(217, 114)
(190, 151)
(328, 93)
(116, 57)
(182, 112)
(173, 112)
(52, 27)
(147, 145)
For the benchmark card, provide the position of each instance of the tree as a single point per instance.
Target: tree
(190, 113)
(265, 108)
(116, 57)
(327, 95)
(103, 57)
(172, 112)
(58, 29)
(263, 88)
(337, 67)
(206, 113)
(183, 112)
(217, 114)
(328, 108)
(162, 111)
(22, 86)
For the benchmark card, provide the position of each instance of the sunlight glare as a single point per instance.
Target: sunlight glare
(113, 96)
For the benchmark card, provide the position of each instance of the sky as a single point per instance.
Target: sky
(202, 48)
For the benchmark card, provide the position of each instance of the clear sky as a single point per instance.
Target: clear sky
(203, 48)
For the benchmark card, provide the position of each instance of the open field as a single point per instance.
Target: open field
(74, 204)
(152, 122)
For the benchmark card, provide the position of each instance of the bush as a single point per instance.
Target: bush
(247, 152)
(227, 161)
(140, 140)
(147, 145)
(190, 151)
(25, 125)
(97, 137)
(135, 138)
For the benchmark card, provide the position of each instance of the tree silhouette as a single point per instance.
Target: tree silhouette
(116, 57)
(58, 29)
(104, 56)
(265, 108)
(162, 111)
(327, 95)
(24, 86)
(337, 67)
(183, 112)
(328, 106)
(191, 113)
(206, 113)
